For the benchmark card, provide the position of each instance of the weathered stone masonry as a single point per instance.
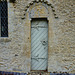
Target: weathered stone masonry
(15, 50)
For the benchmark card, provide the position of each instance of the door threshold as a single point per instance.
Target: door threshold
(39, 71)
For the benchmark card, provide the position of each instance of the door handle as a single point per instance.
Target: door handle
(44, 42)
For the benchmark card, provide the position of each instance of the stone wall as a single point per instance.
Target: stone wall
(15, 49)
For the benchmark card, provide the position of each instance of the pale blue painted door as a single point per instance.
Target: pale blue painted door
(39, 44)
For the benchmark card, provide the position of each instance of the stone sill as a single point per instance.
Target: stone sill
(5, 39)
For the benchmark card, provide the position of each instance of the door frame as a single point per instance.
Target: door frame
(27, 31)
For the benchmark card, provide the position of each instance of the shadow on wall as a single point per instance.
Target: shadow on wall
(61, 74)
(16, 73)
(11, 73)
(12, 1)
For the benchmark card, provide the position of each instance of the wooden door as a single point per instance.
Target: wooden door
(39, 44)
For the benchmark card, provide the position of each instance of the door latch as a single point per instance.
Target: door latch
(44, 42)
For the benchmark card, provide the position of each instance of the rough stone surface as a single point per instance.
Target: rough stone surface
(38, 73)
(15, 50)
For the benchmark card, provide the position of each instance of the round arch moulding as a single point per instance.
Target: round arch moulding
(42, 1)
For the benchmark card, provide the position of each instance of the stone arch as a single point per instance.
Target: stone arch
(42, 1)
